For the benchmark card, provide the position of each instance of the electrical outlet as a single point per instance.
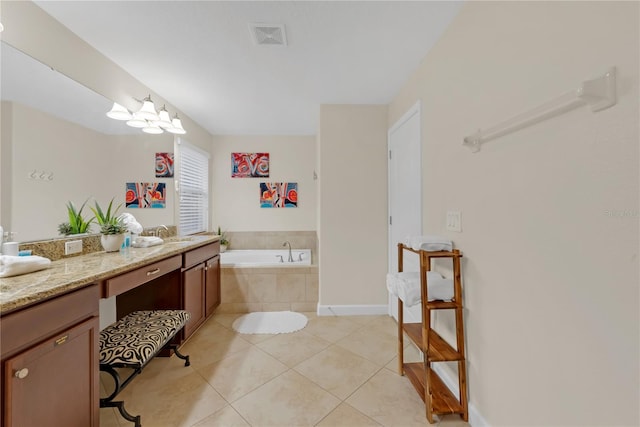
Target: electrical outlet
(72, 247)
(454, 221)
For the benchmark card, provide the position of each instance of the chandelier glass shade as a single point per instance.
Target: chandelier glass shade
(147, 118)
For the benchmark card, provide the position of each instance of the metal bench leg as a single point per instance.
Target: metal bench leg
(127, 416)
(180, 355)
(108, 402)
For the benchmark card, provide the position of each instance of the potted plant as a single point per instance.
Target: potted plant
(224, 242)
(77, 224)
(111, 227)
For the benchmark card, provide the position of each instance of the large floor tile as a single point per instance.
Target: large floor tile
(288, 400)
(177, 403)
(204, 349)
(225, 417)
(293, 348)
(331, 328)
(239, 373)
(346, 415)
(452, 420)
(337, 370)
(390, 400)
(372, 344)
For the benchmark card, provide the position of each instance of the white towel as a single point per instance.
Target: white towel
(146, 241)
(15, 265)
(429, 243)
(406, 286)
(132, 224)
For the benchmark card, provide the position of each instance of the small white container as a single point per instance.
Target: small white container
(10, 248)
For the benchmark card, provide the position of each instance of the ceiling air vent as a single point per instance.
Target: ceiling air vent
(268, 34)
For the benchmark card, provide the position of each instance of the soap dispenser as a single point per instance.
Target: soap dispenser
(9, 247)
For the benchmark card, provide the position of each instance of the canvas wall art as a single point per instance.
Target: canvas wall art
(249, 165)
(164, 165)
(142, 195)
(278, 194)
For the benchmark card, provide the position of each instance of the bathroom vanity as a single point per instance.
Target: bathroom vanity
(49, 322)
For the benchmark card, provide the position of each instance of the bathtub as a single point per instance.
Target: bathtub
(265, 258)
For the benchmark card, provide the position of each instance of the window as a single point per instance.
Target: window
(193, 188)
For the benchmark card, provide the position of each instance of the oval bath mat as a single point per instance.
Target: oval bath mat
(270, 322)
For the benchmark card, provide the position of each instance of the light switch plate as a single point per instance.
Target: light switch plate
(72, 247)
(454, 221)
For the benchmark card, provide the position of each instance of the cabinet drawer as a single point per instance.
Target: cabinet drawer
(132, 279)
(201, 254)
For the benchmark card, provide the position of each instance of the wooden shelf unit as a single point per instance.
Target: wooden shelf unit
(439, 400)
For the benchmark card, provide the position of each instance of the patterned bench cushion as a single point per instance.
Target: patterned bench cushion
(138, 336)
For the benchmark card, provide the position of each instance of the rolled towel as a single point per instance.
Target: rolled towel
(429, 243)
(15, 265)
(132, 224)
(406, 286)
(146, 241)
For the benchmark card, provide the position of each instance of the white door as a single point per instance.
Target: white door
(405, 194)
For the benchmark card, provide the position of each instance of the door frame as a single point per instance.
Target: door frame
(414, 110)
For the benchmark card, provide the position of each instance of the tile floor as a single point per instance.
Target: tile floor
(337, 371)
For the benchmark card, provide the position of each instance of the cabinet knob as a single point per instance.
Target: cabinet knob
(22, 373)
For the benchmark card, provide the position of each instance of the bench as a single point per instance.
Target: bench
(132, 342)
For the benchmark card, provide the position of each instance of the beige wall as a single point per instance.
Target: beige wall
(549, 213)
(353, 205)
(85, 164)
(236, 201)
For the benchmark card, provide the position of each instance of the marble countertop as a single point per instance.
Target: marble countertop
(73, 273)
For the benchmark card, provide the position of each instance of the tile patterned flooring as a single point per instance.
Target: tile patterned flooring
(337, 371)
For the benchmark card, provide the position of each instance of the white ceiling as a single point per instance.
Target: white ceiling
(200, 56)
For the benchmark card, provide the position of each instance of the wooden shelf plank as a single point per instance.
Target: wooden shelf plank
(415, 373)
(442, 400)
(439, 349)
(441, 305)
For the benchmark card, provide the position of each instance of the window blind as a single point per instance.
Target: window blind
(193, 189)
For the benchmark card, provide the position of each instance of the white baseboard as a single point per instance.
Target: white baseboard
(475, 418)
(352, 310)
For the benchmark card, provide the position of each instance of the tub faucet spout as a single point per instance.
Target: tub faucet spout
(290, 256)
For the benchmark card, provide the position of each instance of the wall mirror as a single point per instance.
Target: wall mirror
(57, 145)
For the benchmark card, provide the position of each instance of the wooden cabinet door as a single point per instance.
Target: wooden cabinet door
(193, 297)
(55, 383)
(212, 285)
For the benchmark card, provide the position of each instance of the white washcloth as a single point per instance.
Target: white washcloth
(132, 224)
(15, 265)
(146, 241)
(429, 243)
(406, 286)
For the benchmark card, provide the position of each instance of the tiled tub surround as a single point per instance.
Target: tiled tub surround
(249, 289)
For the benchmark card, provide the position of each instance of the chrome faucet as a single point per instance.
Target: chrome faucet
(158, 229)
(290, 256)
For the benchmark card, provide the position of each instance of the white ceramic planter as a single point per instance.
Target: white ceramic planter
(112, 242)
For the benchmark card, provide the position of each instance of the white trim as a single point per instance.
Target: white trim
(416, 109)
(406, 116)
(351, 310)
(475, 418)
